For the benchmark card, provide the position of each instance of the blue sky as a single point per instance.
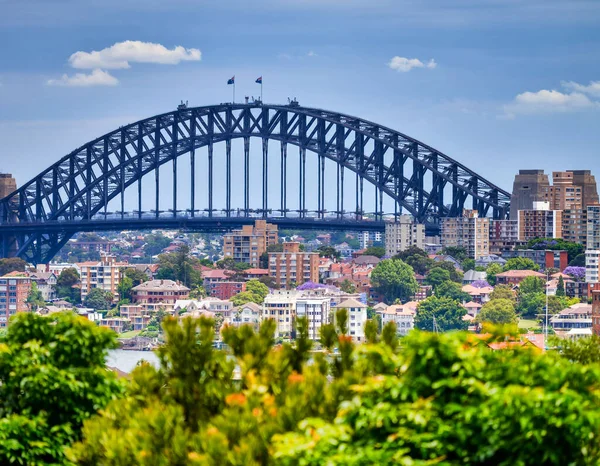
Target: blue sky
(512, 86)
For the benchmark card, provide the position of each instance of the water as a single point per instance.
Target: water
(126, 360)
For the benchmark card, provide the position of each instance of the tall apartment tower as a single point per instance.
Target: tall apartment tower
(529, 186)
(401, 235)
(469, 231)
(589, 189)
(592, 250)
(248, 243)
(7, 185)
(293, 265)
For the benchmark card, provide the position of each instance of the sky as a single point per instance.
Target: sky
(498, 85)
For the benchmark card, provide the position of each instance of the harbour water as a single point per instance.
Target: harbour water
(126, 360)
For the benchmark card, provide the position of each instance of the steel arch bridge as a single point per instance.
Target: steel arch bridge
(74, 193)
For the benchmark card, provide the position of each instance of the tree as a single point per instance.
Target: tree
(329, 251)
(393, 278)
(557, 244)
(155, 243)
(455, 275)
(576, 273)
(136, 276)
(12, 264)
(50, 385)
(228, 263)
(418, 259)
(98, 299)
(531, 304)
(578, 261)
(180, 266)
(560, 289)
(65, 285)
(270, 282)
(34, 297)
(503, 292)
(457, 252)
(520, 263)
(532, 285)
(199, 292)
(377, 251)
(492, 270)
(498, 312)
(436, 277)
(452, 290)
(578, 350)
(124, 288)
(468, 264)
(447, 312)
(347, 286)
(256, 292)
(259, 289)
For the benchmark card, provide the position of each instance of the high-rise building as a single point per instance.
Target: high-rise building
(14, 289)
(504, 235)
(401, 235)
(7, 185)
(368, 238)
(293, 265)
(574, 225)
(469, 231)
(592, 253)
(539, 222)
(104, 274)
(317, 312)
(529, 186)
(248, 243)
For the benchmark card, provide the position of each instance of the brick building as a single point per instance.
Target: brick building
(159, 294)
(293, 266)
(14, 289)
(104, 274)
(224, 289)
(469, 231)
(248, 243)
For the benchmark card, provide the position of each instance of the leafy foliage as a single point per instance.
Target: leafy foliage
(255, 293)
(12, 264)
(498, 312)
(448, 314)
(492, 270)
(532, 285)
(557, 244)
(520, 263)
(65, 285)
(458, 252)
(98, 299)
(180, 266)
(418, 259)
(377, 251)
(347, 286)
(436, 277)
(453, 291)
(52, 378)
(394, 279)
(34, 297)
(503, 292)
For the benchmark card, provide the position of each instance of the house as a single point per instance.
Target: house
(479, 295)
(403, 315)
(246, 314)
(159, 294)
(578, 316)
(46, 282)
(472, 308)
(366, 260)
(471, 276)
(255, 273)
(484, 261)
(225, 289)
(317, 312)
(514, 277)
(117, 324)
(446, 258)
(357, 317)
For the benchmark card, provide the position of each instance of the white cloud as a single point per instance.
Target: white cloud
(95, 78)
(311, 54)
(546, 101)
(593, 88)
(403, 65)
(121, 54)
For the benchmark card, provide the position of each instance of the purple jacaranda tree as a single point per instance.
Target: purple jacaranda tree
(480, 284)
(578, 273)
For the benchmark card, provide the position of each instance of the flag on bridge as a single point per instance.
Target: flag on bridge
(232, 80)
(259, 80)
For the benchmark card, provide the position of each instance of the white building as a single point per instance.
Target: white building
(46, 282)
(401, 235)
(246, 314)
(367, 238)
(592, 254)
(281, 307)
(357, 318)
(403, 315)
(317, 311)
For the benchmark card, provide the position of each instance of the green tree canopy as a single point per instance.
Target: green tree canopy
(52, 378)
(532, 304)
(452, 290)
(448, 314)
(520, 263)
(498, 312)
(394, 279)
(503, 292)
(560, 289)
(557, 244)
(98, 299)
(347, 286)
(256, 292)
(180, 266)
(455, 275)
(12, 264)
(458, 252)
(124, 288)
(136, 276)
(418, 259)
(329, 251)
(65, 285)
(377, 251)
(532, 285)
(155, 243)
(492, 270)
(436, 277)
(34, 297)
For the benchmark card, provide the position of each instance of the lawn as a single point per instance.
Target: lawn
(527, 323)
(130, 334)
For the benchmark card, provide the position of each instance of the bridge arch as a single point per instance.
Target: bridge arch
(416, 177)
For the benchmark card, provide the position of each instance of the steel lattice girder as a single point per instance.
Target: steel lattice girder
(83, 182)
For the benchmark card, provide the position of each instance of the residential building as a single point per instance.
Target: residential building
(540, 222)
(246, 314)
(46, 282)
(529, 186)
(117, 324)
(504, 235)
(596, 312)
(574, 225)
(155, 295)
(357, 318)
(573, 189)
(14, 289)
(368, 238)
(225, 290)
(471, 276)
(479, 295)
(255, 274)
(514, 277)
(469, 231)
(592, 266)
(403, 234)
(248, 243)
(485, 261)
(545, 259)
(293, 266)
(281, 307)
(317, 312)
(104, 274)
(403, 315)
(592, 253)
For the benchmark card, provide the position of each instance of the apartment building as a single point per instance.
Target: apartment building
(368, 238)
(280, 306)
(224, 290)
(14, 289)
(574, 225)
(545, 259)
(469, 231)
(317, 311)
(248, 243)
(504, 235)
(403, 234)
(592, 253)
(540, 222)
(293, 266)
(357, 318)
(104, 274)
(403, 315)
